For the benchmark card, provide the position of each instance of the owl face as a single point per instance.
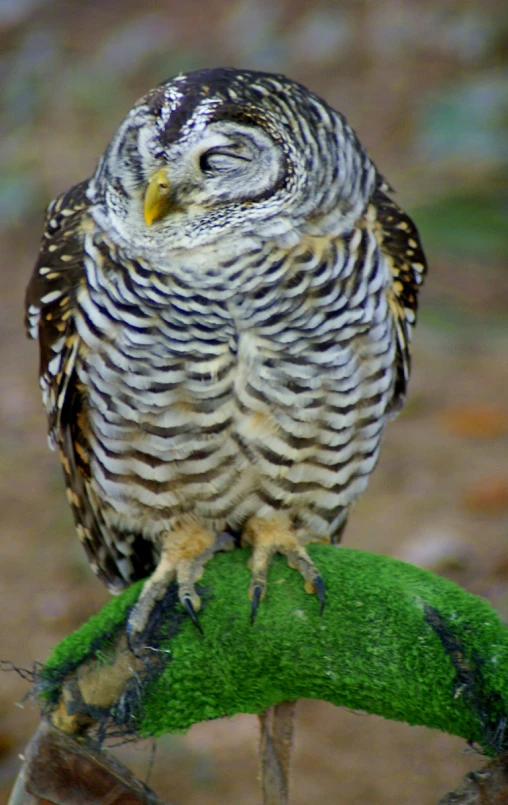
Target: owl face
(221, 152)
(226, 163)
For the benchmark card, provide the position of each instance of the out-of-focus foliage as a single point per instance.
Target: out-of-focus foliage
(464, 135)
(468, 122)
(467, 223)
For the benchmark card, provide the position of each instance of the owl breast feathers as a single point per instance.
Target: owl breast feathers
(224, 313)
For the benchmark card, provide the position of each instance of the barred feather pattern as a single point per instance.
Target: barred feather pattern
(248, 377)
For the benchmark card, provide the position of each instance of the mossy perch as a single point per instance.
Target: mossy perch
(393, 640)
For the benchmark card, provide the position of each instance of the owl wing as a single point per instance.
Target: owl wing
(51, 318)
(400, 244)
(50, 304)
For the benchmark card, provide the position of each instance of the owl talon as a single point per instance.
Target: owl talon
(256, 595)
(133, 641)
(191, 612)
(181, 563)
(276, 534)
(319, 587)
(141, 617)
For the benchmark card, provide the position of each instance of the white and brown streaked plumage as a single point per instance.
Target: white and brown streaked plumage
(224, 313)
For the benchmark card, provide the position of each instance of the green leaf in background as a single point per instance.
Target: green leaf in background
(469, 223)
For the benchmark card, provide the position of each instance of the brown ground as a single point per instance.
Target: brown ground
(440, 494)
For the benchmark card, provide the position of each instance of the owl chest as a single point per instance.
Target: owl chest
(175, 382)
(183, 361)
(182, 349)
(199, 406)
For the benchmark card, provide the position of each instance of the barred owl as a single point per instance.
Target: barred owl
(224, 314)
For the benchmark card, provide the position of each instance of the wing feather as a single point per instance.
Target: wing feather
(51, 297)
(400, 243)
(50, 318)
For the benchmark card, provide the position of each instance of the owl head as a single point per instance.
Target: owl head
(225, 152)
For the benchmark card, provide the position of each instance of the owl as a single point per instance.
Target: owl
(224, 314)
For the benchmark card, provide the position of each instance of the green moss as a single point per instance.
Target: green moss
(393, 640)
(91, 639)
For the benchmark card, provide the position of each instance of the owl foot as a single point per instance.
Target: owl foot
(185, 550)
(270, 535)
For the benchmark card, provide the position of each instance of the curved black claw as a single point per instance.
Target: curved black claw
(191, 612)
(257, 592)
(134, 640)
(320, 590)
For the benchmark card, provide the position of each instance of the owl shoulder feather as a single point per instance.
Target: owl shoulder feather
(51, 298)
(401, 247)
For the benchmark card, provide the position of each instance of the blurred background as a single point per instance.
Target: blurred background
(425, 85)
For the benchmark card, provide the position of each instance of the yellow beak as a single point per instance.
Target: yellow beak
(157, 201)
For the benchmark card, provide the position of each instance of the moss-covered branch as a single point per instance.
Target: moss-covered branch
(393, 640)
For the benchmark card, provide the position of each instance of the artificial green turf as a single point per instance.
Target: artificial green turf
(393, 640)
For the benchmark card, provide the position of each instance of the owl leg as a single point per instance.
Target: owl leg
(276, 534)
(186, 548)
